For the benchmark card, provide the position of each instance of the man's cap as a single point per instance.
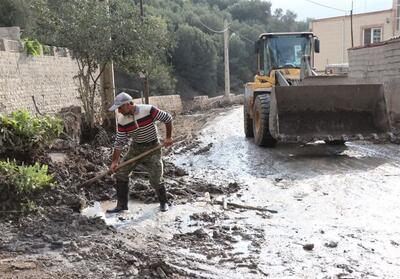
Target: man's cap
(120, 99)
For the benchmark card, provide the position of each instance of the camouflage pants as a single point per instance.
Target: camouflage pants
(152, 164)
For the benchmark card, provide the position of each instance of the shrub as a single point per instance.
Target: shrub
(20, 183)
(32, 47)
(22, 133)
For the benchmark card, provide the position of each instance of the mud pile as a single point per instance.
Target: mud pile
(57, 241)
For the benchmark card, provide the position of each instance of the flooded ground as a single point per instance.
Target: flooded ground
(337, 207)
(341, 201)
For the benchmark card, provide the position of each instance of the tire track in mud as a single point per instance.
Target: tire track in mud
(345, 194)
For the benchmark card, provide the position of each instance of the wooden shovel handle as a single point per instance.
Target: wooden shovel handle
(123, 164)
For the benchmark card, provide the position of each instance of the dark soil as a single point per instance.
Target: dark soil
(56, 241)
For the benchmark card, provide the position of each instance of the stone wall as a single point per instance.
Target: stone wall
(380, 64)
(10, 33)
(204, 102)
(169, 103)
(47, 81)
(46, 84)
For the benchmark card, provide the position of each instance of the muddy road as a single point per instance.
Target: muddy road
(341, 199)
(338, 216)
(338, 210)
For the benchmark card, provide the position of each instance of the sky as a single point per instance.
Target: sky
(304, 8)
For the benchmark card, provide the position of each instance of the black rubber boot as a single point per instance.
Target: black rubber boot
(162, 197)
(122, 197)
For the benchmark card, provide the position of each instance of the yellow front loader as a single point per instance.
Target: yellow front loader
(289, 102)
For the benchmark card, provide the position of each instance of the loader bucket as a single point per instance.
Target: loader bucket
(328, 112)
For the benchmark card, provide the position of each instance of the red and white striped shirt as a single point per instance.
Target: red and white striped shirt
(140, 126)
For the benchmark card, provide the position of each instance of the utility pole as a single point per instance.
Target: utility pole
(226, 59)
(107, 83)
(141, 8)
(351, 24)
(107, 88)
(145, 78)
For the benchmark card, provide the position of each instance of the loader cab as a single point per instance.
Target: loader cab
(283, 50)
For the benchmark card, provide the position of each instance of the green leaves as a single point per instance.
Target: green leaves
(32, 47)
(19, 183)
(195, 58)
(100, 31)
(23, 133)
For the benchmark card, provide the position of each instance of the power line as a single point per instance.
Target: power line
(326, 6)
(212, 30)
(241, 36)
(224, 30)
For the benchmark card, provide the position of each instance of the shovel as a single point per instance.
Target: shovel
(123, 164)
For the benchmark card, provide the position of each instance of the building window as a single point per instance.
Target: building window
(372, 35)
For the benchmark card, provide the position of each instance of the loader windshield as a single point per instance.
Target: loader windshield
(285, 51)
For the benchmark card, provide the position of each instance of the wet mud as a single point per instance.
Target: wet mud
(337, 213)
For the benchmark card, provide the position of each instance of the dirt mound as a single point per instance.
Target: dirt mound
(57, 241)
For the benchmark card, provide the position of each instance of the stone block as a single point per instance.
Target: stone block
(10, 33)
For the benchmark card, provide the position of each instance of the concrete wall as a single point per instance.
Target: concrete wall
(48, 79)
(396, 17)
(380, 64)
(49, 82)
(10, 33)
(335, 35)
(204, 102)
(170, 103)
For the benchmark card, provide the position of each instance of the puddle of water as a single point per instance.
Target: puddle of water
(94, 211)
(147, 217)
(138, 212)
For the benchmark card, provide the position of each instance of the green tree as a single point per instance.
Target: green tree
(16, 13)
(253, 10)
(96, 32)
(152, 61)
(195, 58)
(239, 67)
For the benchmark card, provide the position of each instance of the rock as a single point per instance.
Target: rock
(200, 233)
(204, 149)
(78, 258)
(133, 271)
(72, 119)
(57, 157)
(308, 247)
(38, 246)
(57, 245)
(180, 172)
(331, 244)
(23, 265)
(130, 259)
(47, 238)
(226, 228)
(215, 234)
(60, 144)
(73, 246)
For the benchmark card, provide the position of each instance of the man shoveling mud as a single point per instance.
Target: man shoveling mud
(137, 121)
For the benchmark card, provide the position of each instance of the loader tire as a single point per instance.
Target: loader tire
(262, 135)
(248, 122)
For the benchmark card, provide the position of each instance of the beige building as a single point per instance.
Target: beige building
(368, 28)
